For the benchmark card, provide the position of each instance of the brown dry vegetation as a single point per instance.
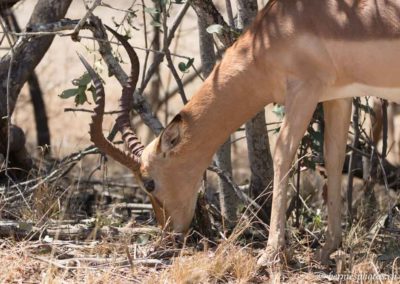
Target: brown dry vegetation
(109, 250)
(158, 258)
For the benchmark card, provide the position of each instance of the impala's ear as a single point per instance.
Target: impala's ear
(171, 135)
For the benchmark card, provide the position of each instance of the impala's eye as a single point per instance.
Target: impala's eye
(149, 184)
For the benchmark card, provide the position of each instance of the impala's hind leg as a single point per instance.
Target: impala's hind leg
(337, 120)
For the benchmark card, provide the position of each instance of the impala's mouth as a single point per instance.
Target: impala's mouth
(161, 215)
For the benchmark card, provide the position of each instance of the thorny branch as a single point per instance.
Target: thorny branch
(169, 58)
(160, 57)
(83, 20)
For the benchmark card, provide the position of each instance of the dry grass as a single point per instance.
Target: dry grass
(154, 258)
(367, 249)
(106, 261)
(228, 263)
(160, 258)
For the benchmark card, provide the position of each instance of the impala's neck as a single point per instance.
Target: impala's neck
(234, 92)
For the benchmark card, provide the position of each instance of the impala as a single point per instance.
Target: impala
(296, 53)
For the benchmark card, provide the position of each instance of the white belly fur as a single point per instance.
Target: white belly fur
(371, 64)
(361, 90)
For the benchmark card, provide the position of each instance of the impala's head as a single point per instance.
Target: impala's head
(158, 167)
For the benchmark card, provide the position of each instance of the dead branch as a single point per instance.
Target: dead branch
(83, 20)
(90, 111)
(160, 57)
(96, 263)
(352, 159)
(169, 95)
(21, 230)
(169, 58)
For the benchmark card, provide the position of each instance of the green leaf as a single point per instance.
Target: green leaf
(69, 93)
(152, 11)
(185, 66)
(215, 29)
(82, 80)
(81, 97)
(155, 24)
(182, 66)
(279, 110)
(276, 130)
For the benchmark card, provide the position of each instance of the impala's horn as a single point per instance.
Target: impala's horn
(131, 158)
(126, 101)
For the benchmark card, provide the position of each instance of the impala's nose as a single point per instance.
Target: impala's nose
(177, 219)
(161, 214)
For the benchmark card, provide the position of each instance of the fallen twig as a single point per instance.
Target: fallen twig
(79, 231)
(96, 263)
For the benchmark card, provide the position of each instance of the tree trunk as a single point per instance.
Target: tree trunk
(227, 196)
(27, 55)
(247, 11)
(260, 158)
(206, 10)
(39, 107)
(155, 84)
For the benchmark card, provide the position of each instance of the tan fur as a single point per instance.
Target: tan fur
(298, 53)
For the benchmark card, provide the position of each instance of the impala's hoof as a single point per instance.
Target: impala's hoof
(270, 257)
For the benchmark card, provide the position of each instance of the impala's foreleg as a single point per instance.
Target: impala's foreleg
(337, 120)
(299, 108)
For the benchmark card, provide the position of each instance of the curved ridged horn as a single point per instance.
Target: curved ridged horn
(126, 101)
(96, 133)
